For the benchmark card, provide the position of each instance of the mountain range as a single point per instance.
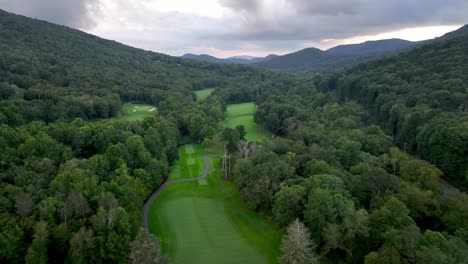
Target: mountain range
(316, 60)
(235, 59)
(76, 170)
(313, 58)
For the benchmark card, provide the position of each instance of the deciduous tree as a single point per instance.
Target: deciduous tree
(296, 246)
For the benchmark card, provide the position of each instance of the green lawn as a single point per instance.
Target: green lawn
(190, 163)
(206, 221)
(203, 94)
(137, 112)
(242, 114)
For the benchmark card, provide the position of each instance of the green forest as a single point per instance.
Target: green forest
(363, 165)
(420, 98)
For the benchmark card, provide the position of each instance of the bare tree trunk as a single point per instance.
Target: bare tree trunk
(224, 169)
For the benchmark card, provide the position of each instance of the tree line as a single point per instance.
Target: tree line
(73, 191)
(74, 178)
(419, 98)
(360, 198)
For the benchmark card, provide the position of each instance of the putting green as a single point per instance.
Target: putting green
(206, 221)
(242, 114)
(203, 94)
(137, 112)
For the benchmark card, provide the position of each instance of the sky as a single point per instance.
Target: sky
(226, 28)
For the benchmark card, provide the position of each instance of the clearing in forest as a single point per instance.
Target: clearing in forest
(206, 221)
(190, 163)
(137, 112)
(203, 94)
(242, 114)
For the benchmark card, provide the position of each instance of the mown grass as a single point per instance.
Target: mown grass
(242, 114)
(206, 221)
(137, 112)
(190, 163)
(203, 94)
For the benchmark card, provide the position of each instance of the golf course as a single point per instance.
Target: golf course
(201, 218)
(242, 114)
(203, 94)
(136, 112)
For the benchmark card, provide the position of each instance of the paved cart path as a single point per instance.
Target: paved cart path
(167, 183)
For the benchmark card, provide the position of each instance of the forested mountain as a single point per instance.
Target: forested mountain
(316, 60)
(457, 33)
(307, 59)
(74, 176)
(319, 61)
(362, 200)
(244, 57)
(371, 47)
(420, 97)
(234, 60)
(331, 166)
(54, 72)
(203, 57)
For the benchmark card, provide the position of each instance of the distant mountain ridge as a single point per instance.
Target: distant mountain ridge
(370, 47)
(342, 56)
(201, 57)
(316, 60)
(457, 33)
(235, 59)
(244, 57)
(312, 59)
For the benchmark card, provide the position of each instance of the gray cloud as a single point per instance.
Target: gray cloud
(330, 7)
(318, 19)
(73, 13)
(250, 25)
(251, 6)
(280, 25)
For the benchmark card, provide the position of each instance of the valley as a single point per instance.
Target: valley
(196, 220)
(116, 154)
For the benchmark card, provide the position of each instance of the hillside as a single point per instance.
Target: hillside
(104, 146)
(311, 59)
(77, 164)
(342, 56)
(41, 62)
(232, 60)
(371, 47)
(421, 98)
(457, 33)
(315, 60)
(202, 57)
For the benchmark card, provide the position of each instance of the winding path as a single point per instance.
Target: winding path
(167, 183)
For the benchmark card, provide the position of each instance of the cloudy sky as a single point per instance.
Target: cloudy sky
(248, 27)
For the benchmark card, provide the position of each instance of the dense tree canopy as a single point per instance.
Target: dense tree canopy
(361, 198)
(420, 98)
(73, 177)
(82, 204)
(50, 72)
